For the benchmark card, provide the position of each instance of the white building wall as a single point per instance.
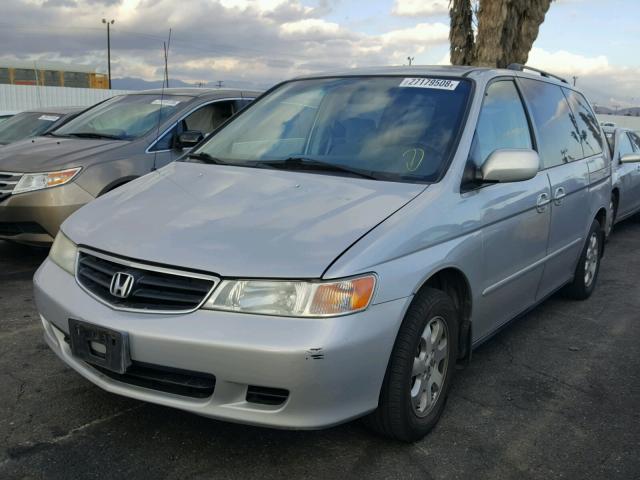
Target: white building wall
(16, 98)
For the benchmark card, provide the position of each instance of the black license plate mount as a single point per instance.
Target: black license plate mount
(100, 346)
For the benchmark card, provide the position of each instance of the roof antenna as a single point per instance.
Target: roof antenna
(38, 93)
(165, 80)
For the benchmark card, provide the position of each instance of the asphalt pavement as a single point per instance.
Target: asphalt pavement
(554, 395)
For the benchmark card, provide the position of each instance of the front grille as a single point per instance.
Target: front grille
(165, 379)
(155, 289)
(9, 229)
(8, 181)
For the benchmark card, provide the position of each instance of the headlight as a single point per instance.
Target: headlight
(38, 181)
(294, 298)
(63, 253)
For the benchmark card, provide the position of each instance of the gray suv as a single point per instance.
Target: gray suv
(44, 179)
(336, 249)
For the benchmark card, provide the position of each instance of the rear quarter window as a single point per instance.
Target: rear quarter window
(586, 123)
(556, 125)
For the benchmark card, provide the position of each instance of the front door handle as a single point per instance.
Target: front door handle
(559, 195)
(543, 201)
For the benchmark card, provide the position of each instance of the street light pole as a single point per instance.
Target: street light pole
(109, 23)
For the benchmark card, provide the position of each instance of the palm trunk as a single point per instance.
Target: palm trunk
(506, 31)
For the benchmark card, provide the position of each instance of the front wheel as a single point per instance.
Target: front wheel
(586, 273)
(611, 218)
(420, 369)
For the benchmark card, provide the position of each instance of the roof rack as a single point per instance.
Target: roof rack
(519, 67)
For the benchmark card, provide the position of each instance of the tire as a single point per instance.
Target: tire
(611, 219)
(586, 274)
(405, 412)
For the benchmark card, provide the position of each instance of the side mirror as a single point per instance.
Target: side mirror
(189, 139)
(630, 158)
(510, 165)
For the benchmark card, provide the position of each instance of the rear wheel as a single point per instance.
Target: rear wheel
(420, 369)
(586, 273)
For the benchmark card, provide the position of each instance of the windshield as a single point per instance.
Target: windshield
(125, 117)
(389, 128)
(25, 125)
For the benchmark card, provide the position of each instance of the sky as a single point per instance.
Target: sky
(256, 43)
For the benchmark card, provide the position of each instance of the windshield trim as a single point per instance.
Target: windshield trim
(446, 164)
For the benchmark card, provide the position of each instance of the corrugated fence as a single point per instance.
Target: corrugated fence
(16, 98)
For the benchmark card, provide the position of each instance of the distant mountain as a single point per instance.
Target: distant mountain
(133, 83)
(628, 112)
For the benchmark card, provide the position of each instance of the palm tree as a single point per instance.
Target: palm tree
(494, 33)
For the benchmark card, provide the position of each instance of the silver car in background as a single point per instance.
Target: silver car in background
(625, 169)
(336, 249)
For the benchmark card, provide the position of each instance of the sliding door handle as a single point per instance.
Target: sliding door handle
(559, 195)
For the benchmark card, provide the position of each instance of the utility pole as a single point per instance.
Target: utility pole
(574, 80)
(108, 23)
(411, 59)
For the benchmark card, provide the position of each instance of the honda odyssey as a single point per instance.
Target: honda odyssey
(336, 249)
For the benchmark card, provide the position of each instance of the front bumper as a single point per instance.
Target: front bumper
(333, 367)
(35, 217)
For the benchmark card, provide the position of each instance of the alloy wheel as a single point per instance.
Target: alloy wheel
(429, 366)
(591, 261)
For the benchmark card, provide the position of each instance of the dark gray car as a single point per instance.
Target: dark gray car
(44, 179)
(33, 123)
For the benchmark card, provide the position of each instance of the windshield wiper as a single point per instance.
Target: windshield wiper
(206, 158)
(95, 135)
(305, 163)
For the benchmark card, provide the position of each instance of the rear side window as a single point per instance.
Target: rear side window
(635, 140)
(624, 145)
(586, 122)
(502, 122)
(556, 125)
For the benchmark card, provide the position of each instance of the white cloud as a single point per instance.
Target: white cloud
(562, 62)
(601, 81)
(311, 28)
(420, 8)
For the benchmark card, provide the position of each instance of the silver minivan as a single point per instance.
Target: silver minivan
(625, 173)
(336, 249)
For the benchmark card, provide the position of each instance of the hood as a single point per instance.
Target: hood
(235, 221)
(42, 154)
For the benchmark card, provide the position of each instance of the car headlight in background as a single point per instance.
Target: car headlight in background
(63, 253)
(294, 298)
(38, 181)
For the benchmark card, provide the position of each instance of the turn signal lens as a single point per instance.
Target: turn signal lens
(58, 178)
(342, 297)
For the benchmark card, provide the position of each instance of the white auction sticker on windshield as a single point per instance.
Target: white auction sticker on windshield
(437, 83)
(166, 103)
(48, 118)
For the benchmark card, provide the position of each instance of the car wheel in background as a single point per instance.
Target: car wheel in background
(420, 370)
(586, 274)
(611, 218)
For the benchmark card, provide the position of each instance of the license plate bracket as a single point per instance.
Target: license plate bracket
(100, 346)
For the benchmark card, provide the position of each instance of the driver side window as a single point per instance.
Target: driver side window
(502, 124)
(205, 120)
